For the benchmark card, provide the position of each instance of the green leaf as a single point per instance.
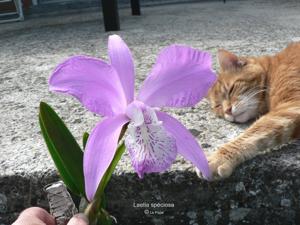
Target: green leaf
(63, 148)
(109, 171)
(85, 137)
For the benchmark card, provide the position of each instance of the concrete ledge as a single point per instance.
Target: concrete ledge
(261, 191)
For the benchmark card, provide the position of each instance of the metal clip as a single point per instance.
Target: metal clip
(61, 204)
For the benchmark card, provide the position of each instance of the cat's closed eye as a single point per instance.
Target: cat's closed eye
(217, 106)
(230, 90)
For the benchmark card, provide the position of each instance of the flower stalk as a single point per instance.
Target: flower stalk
(92, 211)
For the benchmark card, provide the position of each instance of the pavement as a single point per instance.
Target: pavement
(264, 190)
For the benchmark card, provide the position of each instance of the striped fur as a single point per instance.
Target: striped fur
(266, 89)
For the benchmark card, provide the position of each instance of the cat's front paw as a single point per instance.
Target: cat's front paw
(220, 164)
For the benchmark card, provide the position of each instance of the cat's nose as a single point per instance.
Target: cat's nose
(228, 111)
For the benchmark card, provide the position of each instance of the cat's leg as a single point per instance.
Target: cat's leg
(276, 127)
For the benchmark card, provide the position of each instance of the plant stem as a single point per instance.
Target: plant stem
(92, 210)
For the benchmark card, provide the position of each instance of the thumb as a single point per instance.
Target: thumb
(79, 219)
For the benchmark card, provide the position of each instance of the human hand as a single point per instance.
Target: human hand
(39, 216)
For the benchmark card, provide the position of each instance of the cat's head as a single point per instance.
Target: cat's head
(238, 94)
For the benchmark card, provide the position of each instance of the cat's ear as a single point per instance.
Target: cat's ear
(229, 61)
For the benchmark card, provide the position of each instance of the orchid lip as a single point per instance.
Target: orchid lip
(151, 147)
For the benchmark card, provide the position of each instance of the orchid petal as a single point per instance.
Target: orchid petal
(121, 60)
(100, 150)
(187, 146)
(151, 147)
(180, 78)
(93, 82)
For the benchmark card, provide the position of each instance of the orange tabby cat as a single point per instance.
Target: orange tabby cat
(266, 87)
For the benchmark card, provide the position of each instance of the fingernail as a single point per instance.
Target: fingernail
(81, 216)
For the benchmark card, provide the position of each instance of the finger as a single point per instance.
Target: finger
(79, 219)
(36, 216)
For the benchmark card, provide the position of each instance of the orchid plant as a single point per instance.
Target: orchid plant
(180, 78)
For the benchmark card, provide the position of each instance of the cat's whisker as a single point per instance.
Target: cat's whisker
(247, 97)
(253, 93)
(250, 103)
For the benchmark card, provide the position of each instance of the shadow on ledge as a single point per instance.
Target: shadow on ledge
(265, 190)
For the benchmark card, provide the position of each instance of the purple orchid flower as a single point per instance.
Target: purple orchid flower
(180, 77)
